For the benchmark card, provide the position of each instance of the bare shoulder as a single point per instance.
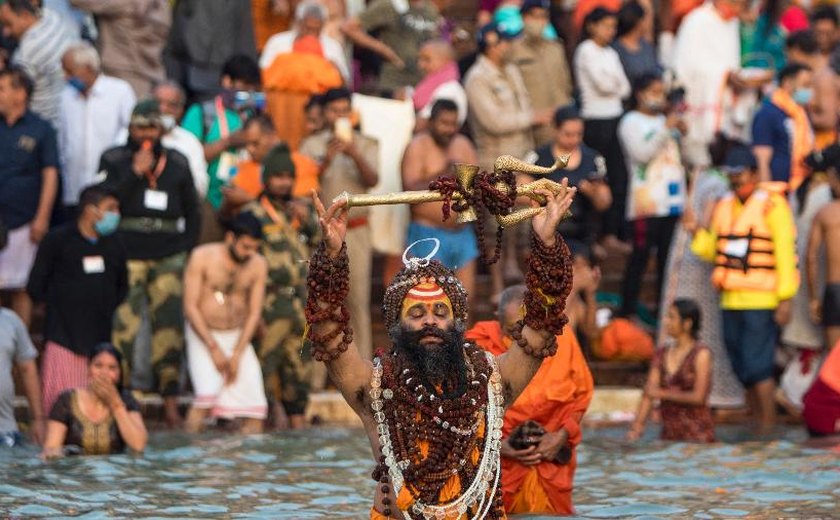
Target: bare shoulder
(204, 253)
(463, 148)
(420, 141)
(257, 265)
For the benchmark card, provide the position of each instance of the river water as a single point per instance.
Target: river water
(325, 473)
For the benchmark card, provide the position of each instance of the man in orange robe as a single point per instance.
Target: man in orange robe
(539, 479)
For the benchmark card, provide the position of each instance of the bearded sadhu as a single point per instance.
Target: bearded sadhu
(433, 403)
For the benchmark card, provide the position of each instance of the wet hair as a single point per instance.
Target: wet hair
(825, 12)
(443, 105)
(689, 310)
(245, 224)
(511, 294)
(629, 16)
(263, 121)
(565, 113)
(595, 16)
(242, 68)
(803, 40)
(791, 70)
(336, 94)
(20, 79)
(93, 195)
(108, 348)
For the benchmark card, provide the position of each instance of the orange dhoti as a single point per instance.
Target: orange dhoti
(557, 398)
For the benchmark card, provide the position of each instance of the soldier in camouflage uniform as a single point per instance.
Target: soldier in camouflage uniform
(290, 229)
(159, 225)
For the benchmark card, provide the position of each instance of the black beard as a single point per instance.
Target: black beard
(284, 198)
(135, 145)
(236, 258)
(441, 140)
(437, 364)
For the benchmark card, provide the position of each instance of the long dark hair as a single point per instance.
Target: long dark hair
(629, 16)
(689, 310)
(108, 348)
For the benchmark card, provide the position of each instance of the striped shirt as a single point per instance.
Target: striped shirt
(39, 52)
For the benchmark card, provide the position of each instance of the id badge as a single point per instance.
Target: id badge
(93, 264)
(156, 199)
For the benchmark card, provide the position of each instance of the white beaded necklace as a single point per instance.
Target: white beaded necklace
(483, 487)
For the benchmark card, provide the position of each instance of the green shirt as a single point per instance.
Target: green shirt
(194, 122)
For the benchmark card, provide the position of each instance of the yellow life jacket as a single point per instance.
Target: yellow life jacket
(745, 258)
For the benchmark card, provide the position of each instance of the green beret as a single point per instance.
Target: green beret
(278, 161)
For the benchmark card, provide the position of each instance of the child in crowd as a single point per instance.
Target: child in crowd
(680, 378)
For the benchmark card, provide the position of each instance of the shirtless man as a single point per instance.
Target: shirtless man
(825, 232)
(429, 155)
(224, 287)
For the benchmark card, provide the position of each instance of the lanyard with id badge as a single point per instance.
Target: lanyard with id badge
(154, 198)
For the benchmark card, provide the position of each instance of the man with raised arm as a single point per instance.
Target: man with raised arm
(432, 403)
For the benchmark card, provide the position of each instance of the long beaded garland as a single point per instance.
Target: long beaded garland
(485, 194)
(549, 282)
(451, 434)
(329, 283)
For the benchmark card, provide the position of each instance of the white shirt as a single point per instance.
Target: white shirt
(707, 48)
(89, 125)
(190, 147)
(601, 79)
(453, 91)
(281, 43)
(656, 177)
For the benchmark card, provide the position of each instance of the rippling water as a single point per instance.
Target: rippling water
(325, 473)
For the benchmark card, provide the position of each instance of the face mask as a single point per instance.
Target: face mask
(77, 84)
(803, 96)
(168, 122)
(654, 105)
(534, 30)
(108, 224)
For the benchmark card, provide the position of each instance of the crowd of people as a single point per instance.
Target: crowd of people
(162, 163)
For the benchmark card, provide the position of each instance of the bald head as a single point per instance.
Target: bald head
(434, 55)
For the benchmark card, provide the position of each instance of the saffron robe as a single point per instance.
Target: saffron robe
(557, 397)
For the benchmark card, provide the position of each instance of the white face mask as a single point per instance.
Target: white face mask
(168, 122)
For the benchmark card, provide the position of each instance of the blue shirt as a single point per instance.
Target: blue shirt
(26, 148)
(772, 127)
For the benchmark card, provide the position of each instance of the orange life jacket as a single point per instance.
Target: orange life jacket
(745, 258)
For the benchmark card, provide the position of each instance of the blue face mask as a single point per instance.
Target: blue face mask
(803, 96)
(77, 84)
(109, 223)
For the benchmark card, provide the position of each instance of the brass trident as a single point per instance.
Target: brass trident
(465, 175)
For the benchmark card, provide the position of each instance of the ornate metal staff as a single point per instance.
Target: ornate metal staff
(465, 175)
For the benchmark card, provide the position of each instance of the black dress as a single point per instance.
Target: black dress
(86, 437)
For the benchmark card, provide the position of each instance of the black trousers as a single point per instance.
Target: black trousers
(649, 233)
(602, 135)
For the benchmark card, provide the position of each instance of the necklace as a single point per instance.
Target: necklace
(401, 461)
(221, 295)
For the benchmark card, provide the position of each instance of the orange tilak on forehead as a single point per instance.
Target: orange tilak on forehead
(428, 294)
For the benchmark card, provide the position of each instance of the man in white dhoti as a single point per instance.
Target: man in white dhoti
(707, 57)
(224, 287)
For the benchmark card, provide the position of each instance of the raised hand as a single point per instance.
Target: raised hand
(333, 223)
(545, 222)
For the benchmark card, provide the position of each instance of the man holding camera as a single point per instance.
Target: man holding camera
(348, 162)
(218, 123)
